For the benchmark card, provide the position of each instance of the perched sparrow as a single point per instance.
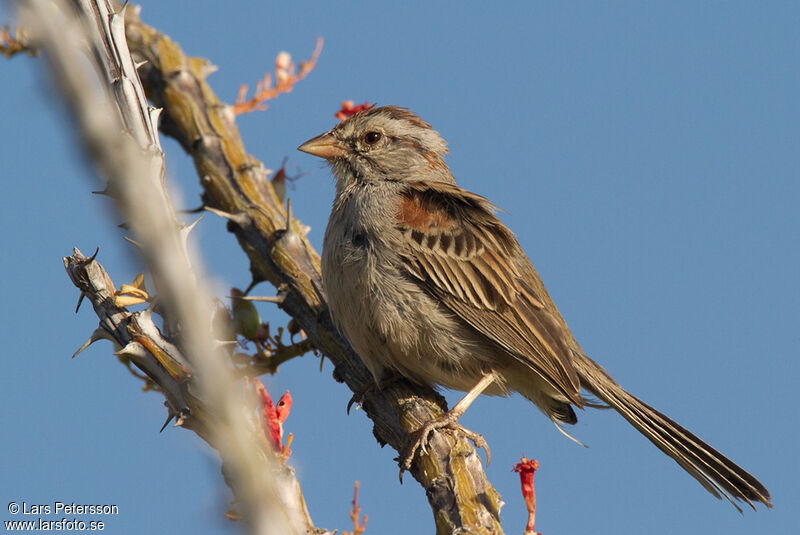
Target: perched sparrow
(425, 281)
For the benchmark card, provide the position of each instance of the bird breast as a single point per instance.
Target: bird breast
(390, 321)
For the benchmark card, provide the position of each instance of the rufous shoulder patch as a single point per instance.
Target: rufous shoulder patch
(419, 213)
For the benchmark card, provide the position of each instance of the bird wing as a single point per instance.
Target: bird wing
(464, 256)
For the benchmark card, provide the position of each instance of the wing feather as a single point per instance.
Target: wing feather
(464, 256)
(455, 276)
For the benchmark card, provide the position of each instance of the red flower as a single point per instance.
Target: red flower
(348, 110)
(526, 468)
(273, 418)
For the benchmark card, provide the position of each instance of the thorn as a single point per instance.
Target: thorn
(283, 292)
(252, 285)
(192, 210)
(122, 9)
(191, 227)
(170, 416)
(288, 214)
(148, 312)
(155, 113)
(220, 213)
(104, 191)
(134, 242)
(80, 300)
(265, 298)
(140, 64)
(98, 334)
(207, 69)
(239, 219)
(124, 225)
(146, 315)
(91, 258)
(132, 349)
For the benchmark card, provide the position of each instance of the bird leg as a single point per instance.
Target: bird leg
(449, 420)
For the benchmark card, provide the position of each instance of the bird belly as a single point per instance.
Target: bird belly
(393, 324)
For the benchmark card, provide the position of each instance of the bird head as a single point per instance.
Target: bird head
(386, 143)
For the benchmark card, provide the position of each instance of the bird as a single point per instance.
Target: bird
(427, 283)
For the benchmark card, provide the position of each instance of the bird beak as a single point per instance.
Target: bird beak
(325, 146)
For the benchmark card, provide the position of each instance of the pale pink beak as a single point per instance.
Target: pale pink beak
(325, 146)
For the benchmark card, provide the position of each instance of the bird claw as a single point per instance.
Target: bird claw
(372, 384)
(358, 395)
(420, 439)
(357, 398)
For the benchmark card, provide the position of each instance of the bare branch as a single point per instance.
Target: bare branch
(123, 142)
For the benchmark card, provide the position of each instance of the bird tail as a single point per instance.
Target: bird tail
(718, 474)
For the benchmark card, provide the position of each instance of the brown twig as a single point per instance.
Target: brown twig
(355, 512)
(11, 45)
(285, 77)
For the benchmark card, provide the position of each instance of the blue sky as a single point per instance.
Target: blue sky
(647, 158)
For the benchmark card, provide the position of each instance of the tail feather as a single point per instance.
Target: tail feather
(718, 475)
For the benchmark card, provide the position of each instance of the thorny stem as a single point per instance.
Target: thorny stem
(119, 132)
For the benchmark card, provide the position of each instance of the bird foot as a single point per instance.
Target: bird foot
(420, 438)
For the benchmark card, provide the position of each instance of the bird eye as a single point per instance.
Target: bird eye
(370, 138)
